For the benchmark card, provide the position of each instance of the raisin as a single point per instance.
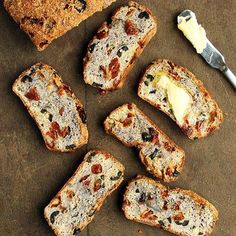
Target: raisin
(26, 78)
(50, 117)
(72, 146)
(61, 111)
(32, 94)
(164, 99)
(76, 232)
(97, 85)
(53, 216)
(152, 91)
(102, 34)
(96, 169)
(114, 67)
(176, 173)
(146, 137)
(80, 5)
(168, 147)
(117, 176)
(143, 14)
(82, 114)
(150, 77)
(142, 198)
(97, 185)
(91, 47)
(130, 28)
(153, 155)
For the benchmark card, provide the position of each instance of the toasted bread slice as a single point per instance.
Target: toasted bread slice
(113, 51)
(160, 155)
(58, 113)
(178, 211)
(73, 208)
(177, 92)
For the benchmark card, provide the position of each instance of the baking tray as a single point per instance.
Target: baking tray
(31, 175)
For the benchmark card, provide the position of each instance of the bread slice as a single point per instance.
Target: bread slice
(178, 211)
(73, 208)
(47, 20)
(58, 113)
(160, 155)
(114, 49)
(177, 92)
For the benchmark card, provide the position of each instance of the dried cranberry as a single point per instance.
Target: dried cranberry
(130, 28)
(32, 94)
(102, 34)
(83, 178)
(114, 67)
(96, 169)
(97, 185)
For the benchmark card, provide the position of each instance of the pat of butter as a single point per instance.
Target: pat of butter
(194, 32)
(178, 97)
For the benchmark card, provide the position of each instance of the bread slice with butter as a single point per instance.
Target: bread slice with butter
(114, 49)
(177, 92)
(178, 211)
(58, 113)
(74, 207)
(160, 155)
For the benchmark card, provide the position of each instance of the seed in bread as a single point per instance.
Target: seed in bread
(47, 20)
(178, 93)
(58, 113)
(161, 156)
(114, 49)
(178, 211)
(73, 208)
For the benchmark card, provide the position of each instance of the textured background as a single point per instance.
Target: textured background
(30, 175)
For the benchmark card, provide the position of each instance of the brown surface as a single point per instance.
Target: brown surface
(30, 175)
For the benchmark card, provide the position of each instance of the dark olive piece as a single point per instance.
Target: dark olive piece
(185, 223)
(81, 5)
(143, 14)
(146, 82)
(137, 190)
(117, 176)
(153, 91)
(76, 232)
(97, 85)
(50, 117)
(124, 48)
(169, 219)
(142, 198)
(89, 158)
(146, 137)
(43, 110)
(53, 215)
(72, 146)
(161, 223)
(150, 77)
(176, 173)
(153, 155)
(26, 78)
(91, 47)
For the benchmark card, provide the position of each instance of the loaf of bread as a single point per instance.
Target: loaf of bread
(47, 20)
(160, 155)
(73, 208)
(178, 211)
(58, 113)
(114, 49)
(177, 92)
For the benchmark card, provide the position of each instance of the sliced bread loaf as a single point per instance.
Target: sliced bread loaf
(73, 208)
(177, 92)
(161, 156)
(178, 211)
(114, 49)
(47, 20)
(58, 113)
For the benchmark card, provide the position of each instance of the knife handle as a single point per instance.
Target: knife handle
(230, 76)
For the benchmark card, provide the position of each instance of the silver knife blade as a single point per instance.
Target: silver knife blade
(211, 55)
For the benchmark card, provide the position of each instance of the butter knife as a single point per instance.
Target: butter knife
(211, 55)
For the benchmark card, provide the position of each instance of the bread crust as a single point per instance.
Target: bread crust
(45, 22)
(141, 145)
(218, 119)
(100, 201)
(198, 199)
(57, 79)
(137, 53)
